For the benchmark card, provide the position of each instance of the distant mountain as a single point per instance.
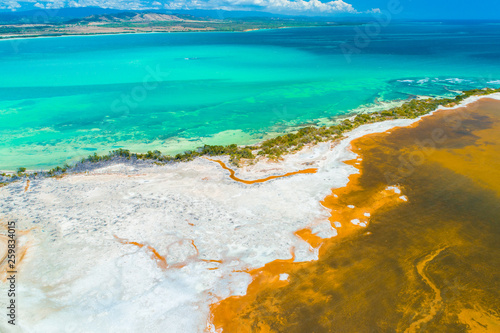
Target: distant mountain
(67, 14)
(53, 15)
(93, 21)
(131, 17)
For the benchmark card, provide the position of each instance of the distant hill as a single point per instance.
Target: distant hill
(53, 15)
(89, 13)
(94, 21)
(131, 17)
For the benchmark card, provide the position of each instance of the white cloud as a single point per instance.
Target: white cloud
(10, 4)
(374, 11)
(285, 6)
(311, 6)
(276, 6)
(74, 4)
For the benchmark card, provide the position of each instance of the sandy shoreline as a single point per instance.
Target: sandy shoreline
(17, 37)
(192, 214)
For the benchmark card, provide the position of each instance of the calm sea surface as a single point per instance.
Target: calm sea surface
(64, 98)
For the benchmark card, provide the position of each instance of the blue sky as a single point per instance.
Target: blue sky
(423, 9)
(440, 9)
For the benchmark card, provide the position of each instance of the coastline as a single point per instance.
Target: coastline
(205, 241)
(370, 201)
(114, 34)
(343, 123)
(227, 254)
(288, 180)
(153, 32)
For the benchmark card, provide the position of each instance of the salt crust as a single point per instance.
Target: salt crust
(77, 277)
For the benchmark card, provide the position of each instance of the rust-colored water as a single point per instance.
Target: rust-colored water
(428, 258)
(233, 177)
(160, 260)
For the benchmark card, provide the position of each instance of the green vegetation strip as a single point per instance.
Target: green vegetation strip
(273, 148)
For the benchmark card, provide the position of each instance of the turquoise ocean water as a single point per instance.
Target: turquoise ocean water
(64, 98)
